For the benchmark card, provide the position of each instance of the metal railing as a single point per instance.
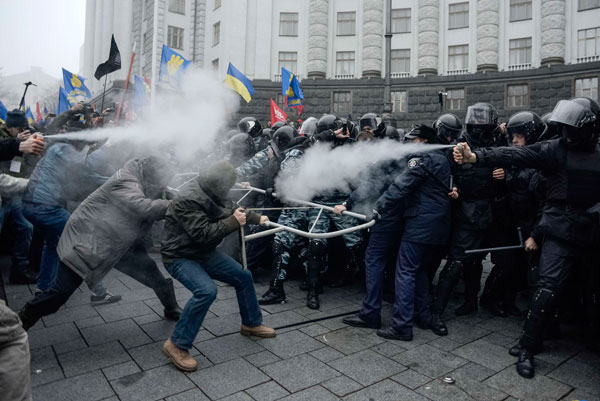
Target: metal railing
(277, 78)
(519, 67)
(399, 74)
(458, 72)
(344, 76)
(588, 59)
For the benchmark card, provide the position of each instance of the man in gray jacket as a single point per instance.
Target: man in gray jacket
(105, 232)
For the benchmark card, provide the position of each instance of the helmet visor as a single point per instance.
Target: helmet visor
(368, 122)
(572, 114)
(481, 115)
(309, 127)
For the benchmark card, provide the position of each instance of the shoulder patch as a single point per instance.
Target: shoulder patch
(414, 162)
(259, 154)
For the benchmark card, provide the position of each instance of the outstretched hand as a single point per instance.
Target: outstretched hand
(462, 154)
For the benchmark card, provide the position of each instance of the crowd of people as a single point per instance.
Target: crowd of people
(526, 191)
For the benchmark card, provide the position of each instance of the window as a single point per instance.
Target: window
(520, 10)
(458, 57)
(401, 20)
(288, 24)
(587, 87)
(587, 4)
(455, 100)
(289, 61)
(216, 33)
(175, 37)
(399, 101)
(342, 103)
(346, 23)
(458, 15)
(344, 64)
(177, 6)
(280, 99)
(400, 60)
(518, 96)
(588, 42)
(215, 64)
(217, 4)
(520, 51)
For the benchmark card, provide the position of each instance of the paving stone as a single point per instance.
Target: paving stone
(62, 348)
(262, 358)
(150, 356)
(225, 307)
(91, 321)
(43, 376)
(203, 335)
(149, 318)
(268, 391)
(486, 354)
(299, 372)
(509, 326)
(464, 389)
(121, 370)
(581, 372)
(241, 396)
(314, 329)
(228, 378)
(223, 325)
(429, 360)
(92, 358)
(190, 395)
(283, 318)
(464, 333)
(386, 390)
(135, 341)
(159, 330)
(411, 379)
(111, 331)
(289, 304)
(445, 343)
(89, 386)
(499, 339)
(124, 311)
(52, 335)
(151, 384)
(229, 347)
(43, 358)
(341, 385)
(350, 340)
(557, 352)
(66, 315)
(579, 395)
(222, 293)
(367, 367)
(388, 349)
(311, 394)
(290, 344)
(474, 371)
(326, 354)
(538, 388)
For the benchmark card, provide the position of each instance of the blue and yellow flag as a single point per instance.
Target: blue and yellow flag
(45, 110)
(142, 92)
(239, 83)
(172, 67)
(75, 87)
(290, 88)
(3, 113)
(63, 102)
(29, 115)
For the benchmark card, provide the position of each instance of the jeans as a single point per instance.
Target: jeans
(50, 221)
(197, 276)
(383, 245)
(21, 229)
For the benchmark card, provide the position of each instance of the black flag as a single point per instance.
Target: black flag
(112, 64)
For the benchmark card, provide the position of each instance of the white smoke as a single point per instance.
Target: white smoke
(323, 169)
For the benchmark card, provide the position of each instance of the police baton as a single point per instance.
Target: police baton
(500, 248)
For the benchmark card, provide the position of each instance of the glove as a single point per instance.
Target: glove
(269, 193)
(374, 215)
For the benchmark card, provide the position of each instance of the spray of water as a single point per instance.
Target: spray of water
(323, 169)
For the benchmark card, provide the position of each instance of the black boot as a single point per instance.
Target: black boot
(448, 279)
(472, 278)
(166, 294)
(316, 251)
(354, 267)
(27, 318)
(490, 298)
(526, 364)
(21, 277)
(274, 295)
(515, 350)
(437, 325)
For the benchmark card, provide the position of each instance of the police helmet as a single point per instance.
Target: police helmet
(282, 139)
(328, 122)
(251, 126)
(448, 128)
(482, 123)
(240, 146)
(309, 126)
(392, 133)
(579, 122)
(526, 123)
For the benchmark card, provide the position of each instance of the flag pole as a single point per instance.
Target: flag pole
(103, 93)
(127, 82)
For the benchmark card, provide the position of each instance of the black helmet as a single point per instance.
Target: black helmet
(250, 126)
(525, 123)
(309, 126)
(579, 122)
(375, 122)
(267, 133)
(552, 132)
(277, 125)
(448, 127)
(240, 148)
(421, 131)
(328, 121)
(392, 133)
(282, 139)
(482, 123)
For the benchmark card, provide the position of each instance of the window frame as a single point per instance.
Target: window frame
(338, 59)
(295, 61)
(217, 4)
(407, 63)
(464, 55)
(585, 40)
(213, 62)
(180, 39)
(295, 23)
(462, 100)
(394, 102)
(517, 3)
(519, 49)
(337, 25)
(179, 2)
(409, 18)
(333, 102)
(587, 8)
(527, 96)
(596, 77)
(216, 37)
(455, 13)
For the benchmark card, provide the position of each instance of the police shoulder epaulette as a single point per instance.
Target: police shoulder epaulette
(414, 162)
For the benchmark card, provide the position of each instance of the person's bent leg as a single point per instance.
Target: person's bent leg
(14, 359)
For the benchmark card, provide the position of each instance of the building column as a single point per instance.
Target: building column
(88, 49)
(553, 32)
(372, 52)
(428, 38)
(488, 32)
(317, 38)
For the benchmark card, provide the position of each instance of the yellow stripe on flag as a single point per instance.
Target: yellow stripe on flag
(239, 87)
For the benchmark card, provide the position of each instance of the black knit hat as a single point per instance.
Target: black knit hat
(16, 119)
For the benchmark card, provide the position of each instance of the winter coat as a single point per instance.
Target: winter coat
(109, 221)
(11, 186)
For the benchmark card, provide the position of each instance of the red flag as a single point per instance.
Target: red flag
(277, 114)
(38, 113)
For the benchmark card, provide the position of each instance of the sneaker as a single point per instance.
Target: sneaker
(181, 357)
(258, 331)
(107, 298)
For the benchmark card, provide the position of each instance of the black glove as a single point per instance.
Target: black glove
(374, 215)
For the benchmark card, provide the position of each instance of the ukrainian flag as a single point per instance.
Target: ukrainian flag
(29, 115)
(239, 83)
(3, 113)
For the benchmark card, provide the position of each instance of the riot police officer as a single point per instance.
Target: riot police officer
(252, 127)
(448, 128)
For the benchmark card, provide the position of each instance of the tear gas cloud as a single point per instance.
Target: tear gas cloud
(180, 123)
(323, 169)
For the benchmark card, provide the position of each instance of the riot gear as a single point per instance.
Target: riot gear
(448, 127)
(579, 122)
(392, 133)
(421, 131)
(328, 122)
(250, 126)
(282, 140)
(525, 123)
(276, 126)
(309, 126)
(375, 122)
(552, 132)
(239, 148)
(482, 122)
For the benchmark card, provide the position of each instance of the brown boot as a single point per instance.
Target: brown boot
(180, 357)
(258, 331)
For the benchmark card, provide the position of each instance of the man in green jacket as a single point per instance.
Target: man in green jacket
(196, 222)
